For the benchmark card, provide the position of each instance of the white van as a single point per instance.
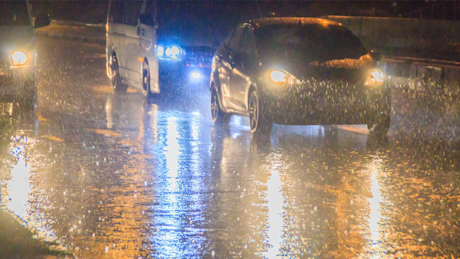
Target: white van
(131, 45)
(18, 56)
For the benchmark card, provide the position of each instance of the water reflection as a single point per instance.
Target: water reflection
(170, 184)
(275, 215)
(180, 191)
(19, 185)
(375, 211)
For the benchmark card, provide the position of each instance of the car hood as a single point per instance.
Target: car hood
(351, 70)
(15, 37)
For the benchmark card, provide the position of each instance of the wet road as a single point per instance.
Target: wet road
(110, 175)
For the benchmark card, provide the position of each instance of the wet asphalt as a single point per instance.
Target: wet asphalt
(111, 175)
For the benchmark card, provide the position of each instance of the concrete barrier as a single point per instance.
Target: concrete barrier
(420, 55)
(382, 32)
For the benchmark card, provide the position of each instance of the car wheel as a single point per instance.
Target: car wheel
(217, 114)
(26, 89)
(146, 80)
(260, 124)
(380, 123)
(116, 79)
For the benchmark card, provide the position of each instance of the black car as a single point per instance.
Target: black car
(197, 62)
(298, 71)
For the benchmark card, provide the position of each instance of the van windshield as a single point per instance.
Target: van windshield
(13, 13)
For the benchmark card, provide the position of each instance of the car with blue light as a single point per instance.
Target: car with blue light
(298, 71)
(197, 63)
(169, 52)
(18, 56)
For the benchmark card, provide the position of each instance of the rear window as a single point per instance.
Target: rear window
(310, 42)
(13, 13)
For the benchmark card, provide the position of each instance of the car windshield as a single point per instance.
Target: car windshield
(13, 13)
(312, 42)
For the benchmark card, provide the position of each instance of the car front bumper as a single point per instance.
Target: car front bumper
(301, 105)
(16, 80)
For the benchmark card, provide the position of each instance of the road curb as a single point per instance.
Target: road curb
(88, 39)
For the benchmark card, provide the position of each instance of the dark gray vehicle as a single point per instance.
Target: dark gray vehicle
(18, 56)
(298, 71)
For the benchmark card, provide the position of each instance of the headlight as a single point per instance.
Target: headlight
(281, 77)
(278, 76)
(18, 58)
(172, 52)
(375, 78)
(160, 51)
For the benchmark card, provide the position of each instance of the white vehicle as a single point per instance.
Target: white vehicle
(18, 56)
(131, 46)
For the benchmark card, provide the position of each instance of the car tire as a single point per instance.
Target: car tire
(260, 124)
(26, 91)
(380, 122)
(146, 80)
(218, 116)
(116, 78)
(380, 125)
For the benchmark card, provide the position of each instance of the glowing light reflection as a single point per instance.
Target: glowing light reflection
(275, 212)
(19, 188)
(375, 215)
(108, 111)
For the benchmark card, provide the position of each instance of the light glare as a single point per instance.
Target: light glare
(278, 76)
(19, 58)
(376, 78)
(160, 51)
(173, 51)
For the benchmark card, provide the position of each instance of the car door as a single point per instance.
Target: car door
(115, 33)
(243, 61)
(226, 59)
(148, 40)
(130, 14)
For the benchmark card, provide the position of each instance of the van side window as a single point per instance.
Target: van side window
(148, 14)
(130, 12)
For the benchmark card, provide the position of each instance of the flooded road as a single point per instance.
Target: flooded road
(109, 175)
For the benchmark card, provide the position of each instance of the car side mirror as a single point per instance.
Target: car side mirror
(377, 56)
(41, 20)
(147, 19)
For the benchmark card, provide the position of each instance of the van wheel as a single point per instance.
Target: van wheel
(116, 79)
(146, 80)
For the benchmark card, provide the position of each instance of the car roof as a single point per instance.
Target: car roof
(290, 21)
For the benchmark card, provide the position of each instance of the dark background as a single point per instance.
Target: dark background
(195, 22)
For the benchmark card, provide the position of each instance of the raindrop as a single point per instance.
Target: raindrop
(106, 249)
